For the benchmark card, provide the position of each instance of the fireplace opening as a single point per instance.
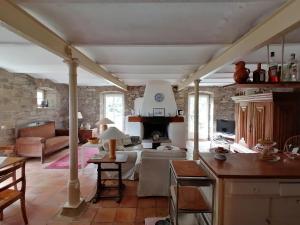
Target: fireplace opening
(156, 128)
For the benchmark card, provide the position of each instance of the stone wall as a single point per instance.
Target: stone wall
(222, 102)
(18, 103)
(18, 106)
(90, 101)
(223, 105)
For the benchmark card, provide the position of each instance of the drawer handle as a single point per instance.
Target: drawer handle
(268, 221)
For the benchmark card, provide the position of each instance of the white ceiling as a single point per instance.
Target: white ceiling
(149, 23)
(138, 40)
(19, 56)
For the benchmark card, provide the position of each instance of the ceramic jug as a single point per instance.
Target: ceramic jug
(241, 74)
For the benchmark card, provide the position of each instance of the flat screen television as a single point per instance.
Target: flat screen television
(226, 126)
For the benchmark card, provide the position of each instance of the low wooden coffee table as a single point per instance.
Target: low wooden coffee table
(120, 159)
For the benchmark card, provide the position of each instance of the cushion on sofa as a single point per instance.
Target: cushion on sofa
(127, 140)
(45, 131)
(55, 143)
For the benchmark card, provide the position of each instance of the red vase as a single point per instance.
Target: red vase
(241, 74)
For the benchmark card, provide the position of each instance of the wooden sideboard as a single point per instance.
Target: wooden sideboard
(274, 116)
(83, 134)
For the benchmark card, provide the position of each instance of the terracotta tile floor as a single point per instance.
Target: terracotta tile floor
(47, 191)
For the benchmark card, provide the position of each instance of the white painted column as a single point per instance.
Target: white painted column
(196, 121)
(74, 201)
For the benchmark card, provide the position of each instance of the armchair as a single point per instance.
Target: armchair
(9, 195)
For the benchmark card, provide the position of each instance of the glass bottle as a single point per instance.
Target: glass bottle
(259, 75)
(272, 68)
(279, 74)
(293, 68)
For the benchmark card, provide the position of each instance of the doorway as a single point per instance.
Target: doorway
(205, 116)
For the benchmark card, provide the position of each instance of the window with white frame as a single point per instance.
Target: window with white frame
(114, 109)
(40, 97)
(46, 97)
(204, 116)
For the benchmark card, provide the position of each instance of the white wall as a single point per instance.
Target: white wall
(153, 87)
(138, 103)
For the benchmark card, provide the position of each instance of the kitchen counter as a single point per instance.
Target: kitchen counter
(241, 165)
(246, 186)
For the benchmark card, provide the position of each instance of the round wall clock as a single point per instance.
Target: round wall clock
(159, 97)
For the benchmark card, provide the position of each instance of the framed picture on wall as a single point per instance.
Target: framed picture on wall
(158, 111)
(179, 112)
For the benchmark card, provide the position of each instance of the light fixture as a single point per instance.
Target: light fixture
(112, 134)
(79, 115)
(104, 122)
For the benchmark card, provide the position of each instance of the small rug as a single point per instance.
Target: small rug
(63, 162)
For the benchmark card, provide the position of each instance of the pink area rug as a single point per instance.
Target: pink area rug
(63, 162)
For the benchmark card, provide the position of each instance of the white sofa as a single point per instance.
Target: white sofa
(129, 169)
(154, 171)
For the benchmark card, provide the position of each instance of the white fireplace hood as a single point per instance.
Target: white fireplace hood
(158, 97)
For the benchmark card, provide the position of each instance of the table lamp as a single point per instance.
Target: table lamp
(103, 123)
(112, 134)
(79, 117)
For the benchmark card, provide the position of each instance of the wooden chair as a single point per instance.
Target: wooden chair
(9, 194)
(291, 143)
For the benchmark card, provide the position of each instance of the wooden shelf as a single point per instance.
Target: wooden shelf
(267, 85)
(187, 168)
(141, 119)
(190, 200)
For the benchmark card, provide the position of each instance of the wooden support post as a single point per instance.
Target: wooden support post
(74, 205)
(196, 121)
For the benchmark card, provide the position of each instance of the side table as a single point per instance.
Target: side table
(84, 135)
(120, 159)
(8, 150)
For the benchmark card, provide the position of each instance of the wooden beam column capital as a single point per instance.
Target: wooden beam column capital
(197, 82)
(72, 62)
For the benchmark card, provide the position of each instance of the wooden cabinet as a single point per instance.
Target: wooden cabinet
(273, 116)
(84, 135)
(242, 121)
(260, 202)
(261, 125)
(283, 208)
(246, 210)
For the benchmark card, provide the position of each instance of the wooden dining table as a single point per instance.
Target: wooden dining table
(9, 161)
